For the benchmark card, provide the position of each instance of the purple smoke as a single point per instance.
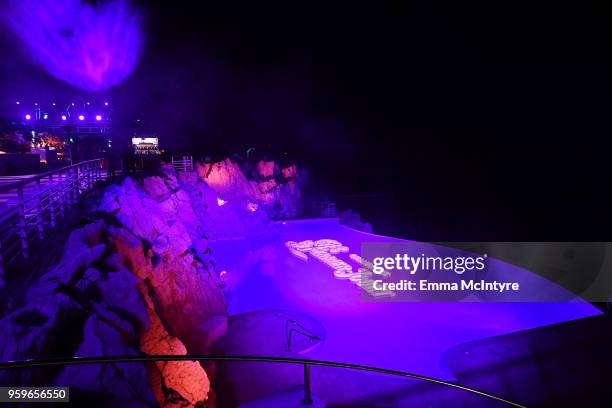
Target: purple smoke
(92, 47)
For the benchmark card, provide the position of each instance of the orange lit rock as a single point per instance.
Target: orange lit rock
(289, 172)
(185, 292)
(174, 383)
(265, 168)
(227, 179)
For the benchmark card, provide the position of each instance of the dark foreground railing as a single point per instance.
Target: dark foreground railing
(262, 359)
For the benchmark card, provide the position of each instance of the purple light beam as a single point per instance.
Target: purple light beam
(92, 47)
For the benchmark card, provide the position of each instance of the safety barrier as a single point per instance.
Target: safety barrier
(34, 205)
(307, 363)
(182, 164)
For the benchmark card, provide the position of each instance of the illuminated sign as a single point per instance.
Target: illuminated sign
(145, 145)
(145, 141)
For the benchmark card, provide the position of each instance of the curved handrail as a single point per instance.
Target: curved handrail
(262, 359)
(20, 183)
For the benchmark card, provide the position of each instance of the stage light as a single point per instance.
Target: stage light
(17, 102)
(81, 117)
(98, 117)
(35, 103)
(28, 117)
(88, 104)
(64, 117)
(105, 103)
(220, 201)
(53, 104)
(45, 116)
(72, 103)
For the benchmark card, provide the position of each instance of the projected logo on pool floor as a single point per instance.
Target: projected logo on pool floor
(326, 251)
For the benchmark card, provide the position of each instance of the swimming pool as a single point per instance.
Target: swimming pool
(262, 274)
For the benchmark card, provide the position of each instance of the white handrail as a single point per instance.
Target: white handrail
(39, 202)
(182, 164)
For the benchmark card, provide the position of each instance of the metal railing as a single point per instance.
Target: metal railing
(182, 164)
(37, 203)
(292, 326)
(307, 363)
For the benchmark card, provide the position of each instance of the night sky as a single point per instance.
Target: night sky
(468, 123)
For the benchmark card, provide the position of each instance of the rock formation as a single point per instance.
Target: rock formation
(353, 220)
(279, 196)
(137, 278)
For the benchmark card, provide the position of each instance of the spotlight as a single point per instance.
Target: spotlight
(81, 117)
(28, 117)
(98, 117)
(72, 103)
(45, 116)
(105, 103)
(17, 102)
(64, 117)
(53, 104)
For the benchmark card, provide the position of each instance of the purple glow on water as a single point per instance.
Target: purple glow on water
(410, 336)
(81, 117)
(92, 47)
